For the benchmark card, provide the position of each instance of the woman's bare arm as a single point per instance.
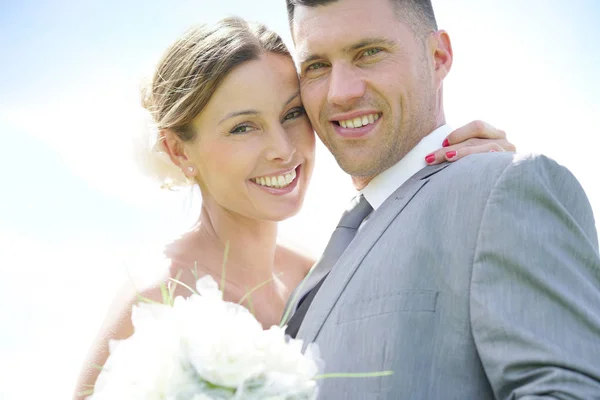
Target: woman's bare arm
(117, 325)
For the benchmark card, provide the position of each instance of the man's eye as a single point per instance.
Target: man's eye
(241, 129)
(315, 66)
(371, 52)
(295, 113)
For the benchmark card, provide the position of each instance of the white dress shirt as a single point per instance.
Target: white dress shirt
(386, 183)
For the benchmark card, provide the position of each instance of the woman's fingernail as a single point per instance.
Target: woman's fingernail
(493, 151)
(430, 158)
(451, 154)
(446, 143)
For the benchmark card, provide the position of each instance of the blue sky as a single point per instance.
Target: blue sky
(73, 206)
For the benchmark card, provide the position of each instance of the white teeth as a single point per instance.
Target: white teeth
(279, 181)
(359, 121)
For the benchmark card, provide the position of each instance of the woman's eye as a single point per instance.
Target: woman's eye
(293, 114)
(371, 52)
(241, 129)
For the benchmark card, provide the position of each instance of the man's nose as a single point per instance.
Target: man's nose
(345, 85)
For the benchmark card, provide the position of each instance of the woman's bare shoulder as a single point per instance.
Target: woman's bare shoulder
(117, 322)
(291, 254)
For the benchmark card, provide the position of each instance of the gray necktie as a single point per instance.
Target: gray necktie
(340, 239)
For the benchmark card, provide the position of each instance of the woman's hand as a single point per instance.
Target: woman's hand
(475, 137)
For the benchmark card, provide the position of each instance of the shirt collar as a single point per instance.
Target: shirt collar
(384, 184)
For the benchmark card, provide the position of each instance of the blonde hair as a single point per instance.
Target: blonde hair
(187, 76)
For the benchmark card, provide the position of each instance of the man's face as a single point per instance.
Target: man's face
(367, 83)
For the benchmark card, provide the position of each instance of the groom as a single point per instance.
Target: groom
(475, 280)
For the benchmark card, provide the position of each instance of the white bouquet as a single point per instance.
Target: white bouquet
(204, 348)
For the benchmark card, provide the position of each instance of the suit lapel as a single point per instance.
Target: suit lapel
(352, 258)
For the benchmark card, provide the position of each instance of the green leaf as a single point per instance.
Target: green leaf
(146, 300)
(165, 295)
(184, 285)
(87, 392)
(286, 315)
(355, 375)
(174, 281)
(250, 305)
(195, 270)
(98, 367)
(225, 257)
(255, 288)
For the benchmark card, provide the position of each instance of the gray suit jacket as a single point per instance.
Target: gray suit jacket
(474, 280)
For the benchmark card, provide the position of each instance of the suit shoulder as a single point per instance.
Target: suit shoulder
(512, 174)
(535, 180)
(480, 170)
(539, 170)
(493, 167)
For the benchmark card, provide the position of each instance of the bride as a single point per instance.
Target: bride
(226, 102)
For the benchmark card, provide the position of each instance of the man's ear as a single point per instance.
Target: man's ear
(175, 148)
(442, 54)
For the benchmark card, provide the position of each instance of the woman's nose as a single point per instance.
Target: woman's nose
(281, 148)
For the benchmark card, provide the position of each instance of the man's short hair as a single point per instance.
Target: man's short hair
(418, 14)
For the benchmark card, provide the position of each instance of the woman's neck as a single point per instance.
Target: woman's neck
(250, 244)
(254, 260)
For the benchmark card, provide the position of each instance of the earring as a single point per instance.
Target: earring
(190, 169)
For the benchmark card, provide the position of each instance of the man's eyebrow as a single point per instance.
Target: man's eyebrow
(376, 41)
(237, 114)
(310, 58)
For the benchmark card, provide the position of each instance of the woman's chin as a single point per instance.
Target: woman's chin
(279, 208)
(280, 212)
(283, 215)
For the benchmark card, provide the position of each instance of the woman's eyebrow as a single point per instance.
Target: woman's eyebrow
(237, 114)
(292, 97)
(255, 112)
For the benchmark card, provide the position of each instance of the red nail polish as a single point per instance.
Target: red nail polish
(430, 158)
(446, 143)
(451, 154)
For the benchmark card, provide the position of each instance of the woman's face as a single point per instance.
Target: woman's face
(254, 145)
